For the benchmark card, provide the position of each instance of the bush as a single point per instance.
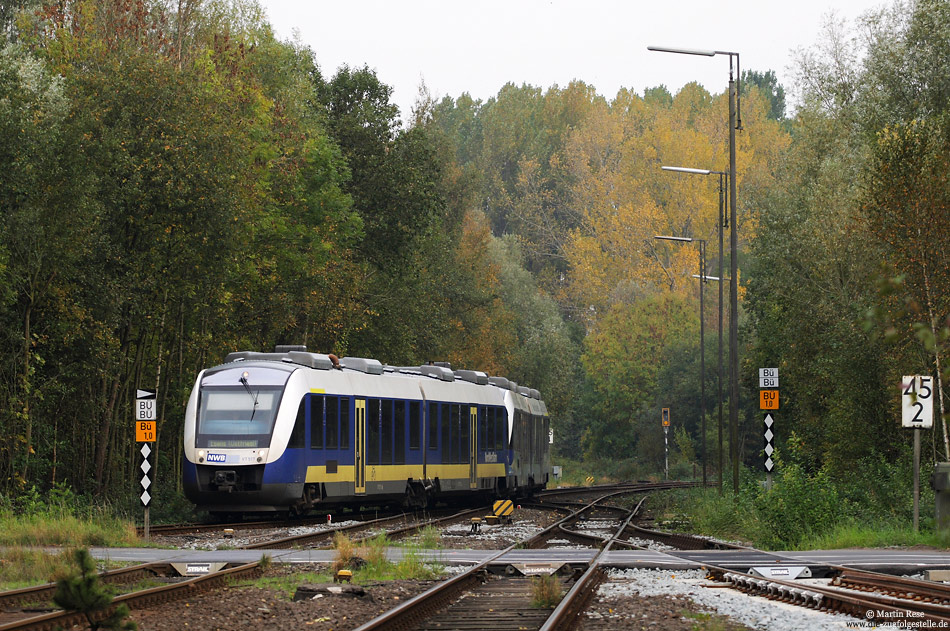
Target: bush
(797, 506)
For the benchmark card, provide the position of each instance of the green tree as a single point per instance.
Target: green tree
(82, 591)
(767, 83)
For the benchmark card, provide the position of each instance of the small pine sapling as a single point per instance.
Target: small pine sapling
(83, 592)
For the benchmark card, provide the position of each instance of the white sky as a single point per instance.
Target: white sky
(477, 47)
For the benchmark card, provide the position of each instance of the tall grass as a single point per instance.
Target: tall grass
(545, 591)
(345, 552)
(807, 510)
(64, 529)
(24, 567)
(862, 535)
(371, 563)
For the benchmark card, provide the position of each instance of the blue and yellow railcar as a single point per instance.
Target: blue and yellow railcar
(293, 430)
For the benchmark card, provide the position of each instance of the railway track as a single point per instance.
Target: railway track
(335, 516)
(372, 527)
(476, 599)
(871, 603)
(493, 595)
(134, 600)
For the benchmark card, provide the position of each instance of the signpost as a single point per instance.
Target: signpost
(917, 412)
(145, 414)
(666, 442)
(768, 401)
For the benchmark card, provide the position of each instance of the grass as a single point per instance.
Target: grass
(574, 473)
(704, 511)
(369, 563)
(63, 529)
(430, 538)
(23, 567)
(287, 585)
(852, 535)
(706, 621)
(26, 567)
(545, 591)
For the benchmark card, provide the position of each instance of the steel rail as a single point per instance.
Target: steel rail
(194, 528)
(576, 600)
(43, 593)
(135, 600)
(313, 537)
(191, 528)
(865, 606)
(424, 605)
(682, 541)
(862, 580)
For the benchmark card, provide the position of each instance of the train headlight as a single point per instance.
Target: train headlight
(201, 455)
(262, 455)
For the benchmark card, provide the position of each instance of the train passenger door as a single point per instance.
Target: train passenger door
(472, 447)
(360, 461)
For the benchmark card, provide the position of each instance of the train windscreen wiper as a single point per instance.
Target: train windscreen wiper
(253, 396)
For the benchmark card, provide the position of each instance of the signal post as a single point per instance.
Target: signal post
(666, 443)
(145, 415)
(917, 412)
(768, 402)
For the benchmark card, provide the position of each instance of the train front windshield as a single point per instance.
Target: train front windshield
(237, 407)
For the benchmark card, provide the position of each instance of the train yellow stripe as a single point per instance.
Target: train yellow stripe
(447, 471)
(494, 470)
(317, 474)
(387, 473)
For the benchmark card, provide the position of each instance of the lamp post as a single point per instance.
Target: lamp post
(702, 347)
(735, 122)
(723, 177)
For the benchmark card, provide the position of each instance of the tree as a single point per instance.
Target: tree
(767, 83)
(82, 591)
(908, 197)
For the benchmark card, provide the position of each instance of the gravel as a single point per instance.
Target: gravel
(751, 611)
(242, 607)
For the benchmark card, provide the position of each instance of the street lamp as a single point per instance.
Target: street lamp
(735, 122)
(723, 176)
(702, 349)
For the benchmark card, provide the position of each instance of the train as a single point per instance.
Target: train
(292, 431)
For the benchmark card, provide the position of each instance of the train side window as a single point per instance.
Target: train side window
(465, 439)
(372, 431)
(415, 427)
(316, 422)
(501, 429)
(456, 434)
(333, 422)
(344, 423)
(399, 433)
(482, 428)
(433, 426)
(446, 417)
(297, 436)
(386, 433)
